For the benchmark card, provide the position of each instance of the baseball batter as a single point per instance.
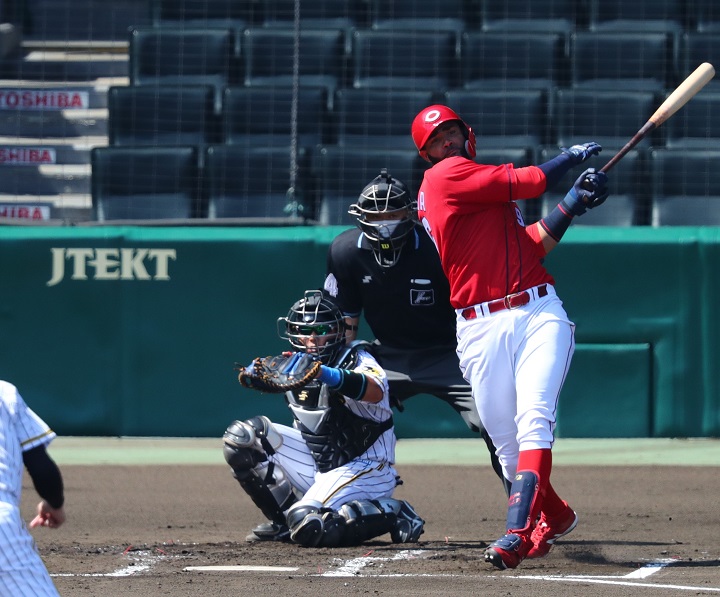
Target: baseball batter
(23, 439)
(515, 341)
(329, 479)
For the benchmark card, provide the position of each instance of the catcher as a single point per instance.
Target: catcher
(328, 480)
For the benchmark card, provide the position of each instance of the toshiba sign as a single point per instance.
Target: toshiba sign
(43, 99)
(27, 156)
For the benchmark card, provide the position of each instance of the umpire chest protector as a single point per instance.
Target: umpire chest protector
(334, 434)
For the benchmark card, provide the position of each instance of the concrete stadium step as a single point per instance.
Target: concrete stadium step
(46, 180)
(81, 64)
(56, 123)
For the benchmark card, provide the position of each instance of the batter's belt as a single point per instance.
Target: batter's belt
(511, 301)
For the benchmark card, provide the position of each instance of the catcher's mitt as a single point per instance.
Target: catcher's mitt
(276, 375)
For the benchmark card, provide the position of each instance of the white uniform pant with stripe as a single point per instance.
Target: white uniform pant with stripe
(516, 361)
(356, 480)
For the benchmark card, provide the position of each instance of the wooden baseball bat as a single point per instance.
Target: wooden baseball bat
(677, 99)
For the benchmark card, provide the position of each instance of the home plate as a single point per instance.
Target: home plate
(240, 569)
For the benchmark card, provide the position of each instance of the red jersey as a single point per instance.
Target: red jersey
(469, 211)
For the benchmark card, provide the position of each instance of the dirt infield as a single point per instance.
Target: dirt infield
(135, 530)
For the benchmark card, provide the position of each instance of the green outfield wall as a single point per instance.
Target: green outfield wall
(134, 331)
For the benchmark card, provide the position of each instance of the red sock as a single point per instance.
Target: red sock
(540, 463)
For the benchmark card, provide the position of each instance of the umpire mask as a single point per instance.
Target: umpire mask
(386, 214)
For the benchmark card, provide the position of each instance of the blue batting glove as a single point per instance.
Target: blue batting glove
(580, 153)
(589, 191)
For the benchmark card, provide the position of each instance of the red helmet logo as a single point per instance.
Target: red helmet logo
(429, 119)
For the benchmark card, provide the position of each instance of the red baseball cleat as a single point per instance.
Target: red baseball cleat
(549, 530)
(508, 551)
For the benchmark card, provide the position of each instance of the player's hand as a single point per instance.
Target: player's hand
(589, 191)
(47, 516)
(580, 153)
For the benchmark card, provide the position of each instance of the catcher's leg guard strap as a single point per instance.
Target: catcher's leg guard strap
(521, 512)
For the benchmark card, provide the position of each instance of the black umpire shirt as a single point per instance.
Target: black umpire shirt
(407, 305)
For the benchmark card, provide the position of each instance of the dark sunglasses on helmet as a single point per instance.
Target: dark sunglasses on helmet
(319, 330)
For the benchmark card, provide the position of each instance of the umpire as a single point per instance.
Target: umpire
(390, 270)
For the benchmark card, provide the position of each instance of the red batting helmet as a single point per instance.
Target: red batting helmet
(429, 119)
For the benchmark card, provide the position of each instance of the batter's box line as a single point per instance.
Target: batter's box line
(644, 572)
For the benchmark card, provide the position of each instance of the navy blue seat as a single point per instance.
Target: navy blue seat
(666, 16)
(558, 16)
(264, 115)
(161, 115)
(268, 57)
(255, 184)
(697, 124)
(513, 61)
(144, 183)
(389, 59)
(418, 15)
(179, 56)
(685, 187)
(630, 61)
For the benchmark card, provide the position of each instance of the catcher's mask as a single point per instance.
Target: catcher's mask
(385, 213)
(432, 117)
(314, 317)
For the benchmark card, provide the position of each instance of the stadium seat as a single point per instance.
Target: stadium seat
(268, 57)
(373, 118)
(509, 61)
(696, 125)
(315, 14)
(208, 13)
(628, 182)
(641, 15)
(264, 115)
(558, 16)
(392, 59)
(342, 173)
(503, 118)
(705, 16)
(418, 15)
(161, 115)
(177, 56)
(254, 183)
(629, 61)
(607, 117)
(685, 187)
(144, 183)
(698, 47)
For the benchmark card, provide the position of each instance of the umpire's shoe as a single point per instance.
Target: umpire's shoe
(408, 526)
(269, 531)
(508, 551)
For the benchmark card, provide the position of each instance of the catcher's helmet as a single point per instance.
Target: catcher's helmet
(429, 119)
(314, 314)
(387, 236)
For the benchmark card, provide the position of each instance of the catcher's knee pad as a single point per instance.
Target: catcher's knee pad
(523, 496)
(247, 443)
